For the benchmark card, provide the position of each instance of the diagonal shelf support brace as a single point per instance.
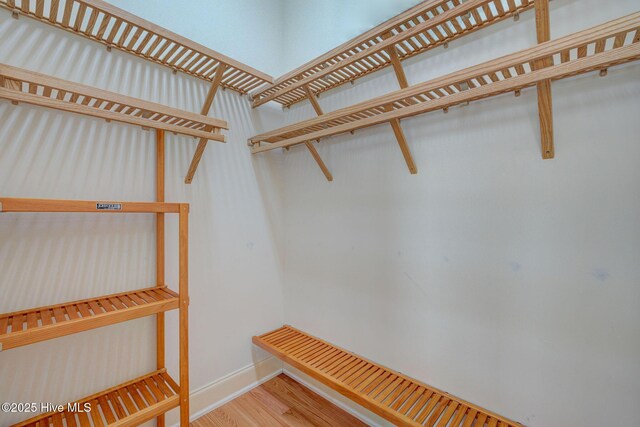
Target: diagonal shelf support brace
(545, 106)
(202, 144)
(395, 123)
(310, 147)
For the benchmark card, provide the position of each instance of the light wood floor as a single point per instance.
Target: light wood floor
(278, 402)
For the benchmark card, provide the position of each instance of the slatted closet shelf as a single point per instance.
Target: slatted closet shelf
(598, 48)
(19, 85)
(100, 21)
(426, 26)
(390, 394)
(39, 324)
(147, 397)
(128, 404)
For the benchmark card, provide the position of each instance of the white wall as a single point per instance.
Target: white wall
(507, 280)
(235, 272)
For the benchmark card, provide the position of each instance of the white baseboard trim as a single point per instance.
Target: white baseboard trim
(336, 398)
(227, 388)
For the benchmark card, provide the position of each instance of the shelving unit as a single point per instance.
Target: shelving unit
(424, 27)
(141, 399)
(390, 394)
(597, 48)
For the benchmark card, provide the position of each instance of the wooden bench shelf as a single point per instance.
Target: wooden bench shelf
(102, 22)
(426, 26)
(598, 48)
(39, 324)
(19, 85)
(390, 394)
(128, 404)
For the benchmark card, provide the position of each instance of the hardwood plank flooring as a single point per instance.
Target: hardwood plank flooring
(278, 402)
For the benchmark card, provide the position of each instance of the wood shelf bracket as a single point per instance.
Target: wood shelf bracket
(316, 156)
(395, 123)
(202, 144)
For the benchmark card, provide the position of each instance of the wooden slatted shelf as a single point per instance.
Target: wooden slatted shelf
(102, 22)
(38, 324)
(426, 26)
(390, 394)
(598, 48)
(19, 85)
(128, 404)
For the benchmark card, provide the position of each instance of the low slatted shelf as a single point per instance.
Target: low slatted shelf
(390, 394)
(100, 21)
(598, 48)
(426, 26)
(39, 324)
(19, 85)
(129, 404)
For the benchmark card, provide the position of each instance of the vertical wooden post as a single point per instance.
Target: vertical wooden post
(160, 344)
(184, 313)
(545, 106)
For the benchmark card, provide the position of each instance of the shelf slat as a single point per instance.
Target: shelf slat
(8, 204)
(390, 394)
(38, 324)
(102, 22)
(128, 404)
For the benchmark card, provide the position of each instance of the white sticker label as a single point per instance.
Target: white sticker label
(109, 206)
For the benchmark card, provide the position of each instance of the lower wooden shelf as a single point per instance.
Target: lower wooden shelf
(392, 395)
(43, 323)
(128, 404)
